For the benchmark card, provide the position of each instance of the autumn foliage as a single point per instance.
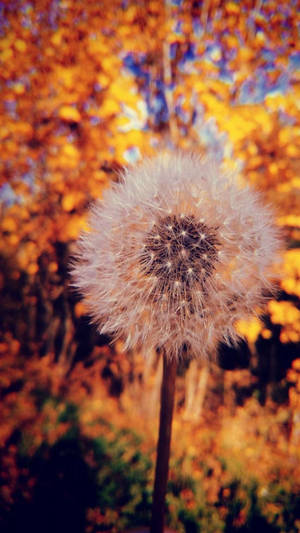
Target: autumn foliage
(87, 87)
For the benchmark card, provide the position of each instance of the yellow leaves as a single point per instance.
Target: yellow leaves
(121, 92)
(72, 227)
(296, 365)
(20, 45)
(287, 315)
(67, 76)
(86, 73)
(27, 256)
(32, 268)
(250, 329)
(288, 138)
(291, 281)
(232, 8)
(110, 64)
(68, 202)
(289, 220)
(291, 286)
(6, 42)
(284, 136)
(98, 47)
(103, 80)
(132, 138)
(283, 312)
(273, 168)
(124, 90)
(231, 40)
(70, 151)
(109, 107)
(252, 148)
(266, 333)
(56, 38)
(9, 224)
(196, 82)
(245, 53)
(71, 200)
(238, 125)
(134, 141)
(131, 13)
(6, 55)
(69, 113)
(290, 335)
(6, 51)
(239, 122)
(69, 156)
(260, 38)
(19, 88)
(275, 101)
(292, 150)
(121, 122)
(13, 240)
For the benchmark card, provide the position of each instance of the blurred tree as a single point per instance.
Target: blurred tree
(88, 88)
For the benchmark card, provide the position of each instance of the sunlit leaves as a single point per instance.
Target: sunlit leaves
(85, 89)
(287, 314)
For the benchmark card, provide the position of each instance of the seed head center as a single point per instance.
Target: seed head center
(179, 251)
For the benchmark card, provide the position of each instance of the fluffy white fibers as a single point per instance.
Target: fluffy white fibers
(175, 254)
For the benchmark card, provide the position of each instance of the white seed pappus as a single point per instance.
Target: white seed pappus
(176, 252)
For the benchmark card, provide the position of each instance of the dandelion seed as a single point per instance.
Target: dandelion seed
(159, 236)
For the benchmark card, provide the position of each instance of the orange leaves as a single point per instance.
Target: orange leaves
(9, 224)
(97, 47)
(72, 227)
(291, 281)
(27, 254)
(10, 45)
(286, 314)
(72, 112)
(19, 88)
(249, 329)
(232, 8)
(69, 113)
(69, 155)
(109, 108)
(56, 38)
(71, 200)
(79, 309)
(61, 107)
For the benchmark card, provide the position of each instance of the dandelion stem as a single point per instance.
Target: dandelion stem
(163, 445)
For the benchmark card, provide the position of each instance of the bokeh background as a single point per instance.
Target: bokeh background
(86, 88)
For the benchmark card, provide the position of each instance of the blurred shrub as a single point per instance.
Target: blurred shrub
(70, 459)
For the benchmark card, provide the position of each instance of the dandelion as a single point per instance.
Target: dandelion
(175, 254)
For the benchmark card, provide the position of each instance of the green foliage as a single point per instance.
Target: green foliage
(104, 484)
(77, 473)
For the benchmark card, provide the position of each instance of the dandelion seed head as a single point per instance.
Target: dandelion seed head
(176, 253)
